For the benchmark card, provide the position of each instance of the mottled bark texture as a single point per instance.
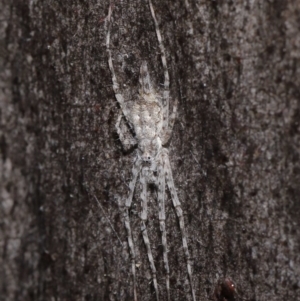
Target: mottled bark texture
(235, 69)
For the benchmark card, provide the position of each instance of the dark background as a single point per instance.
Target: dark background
(235, 69)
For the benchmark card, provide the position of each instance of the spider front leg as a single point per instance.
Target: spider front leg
(127, 140)
(161, 183)
(144, 230)
(179, 213)
(135, 172)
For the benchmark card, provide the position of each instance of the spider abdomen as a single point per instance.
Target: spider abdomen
(146, 119)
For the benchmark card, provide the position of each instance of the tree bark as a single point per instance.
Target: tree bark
(234, 67)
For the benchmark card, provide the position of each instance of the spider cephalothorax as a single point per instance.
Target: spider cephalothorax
(148, 117)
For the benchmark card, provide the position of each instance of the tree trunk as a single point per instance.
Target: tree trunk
(234, 67)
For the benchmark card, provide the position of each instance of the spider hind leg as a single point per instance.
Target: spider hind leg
(166, 93)
(128, 141)
(144, 79)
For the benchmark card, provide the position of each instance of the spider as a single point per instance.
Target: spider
(148, 117)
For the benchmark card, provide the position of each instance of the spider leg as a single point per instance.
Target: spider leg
(168, 131)
(179, 214)
(135, 172)
(165, 68)
(162, 220)
(116, 89)
(127, 140)
(144, 230)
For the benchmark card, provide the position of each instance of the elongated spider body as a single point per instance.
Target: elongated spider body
(148, 117)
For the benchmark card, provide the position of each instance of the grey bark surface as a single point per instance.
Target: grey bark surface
(235, 69)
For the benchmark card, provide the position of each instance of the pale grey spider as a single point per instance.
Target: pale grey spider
(148, 117)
